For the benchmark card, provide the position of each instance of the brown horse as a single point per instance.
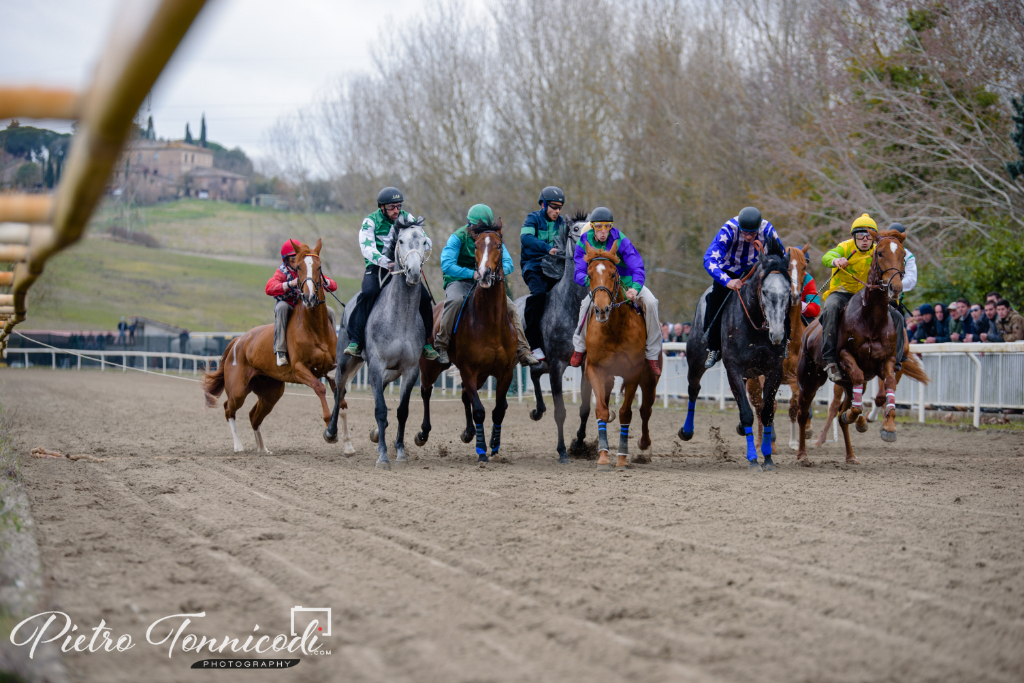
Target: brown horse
(797, 259)
(867, 345)
(249, 363)
(482, 345)
(616, 344)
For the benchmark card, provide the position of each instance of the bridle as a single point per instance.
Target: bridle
(384, 274)
(318, 284)
(501, 271)
(612, 294)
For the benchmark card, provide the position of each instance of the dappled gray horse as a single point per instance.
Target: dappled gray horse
(561, 311)
(394, 342)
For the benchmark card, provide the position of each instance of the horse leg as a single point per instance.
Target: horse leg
(269, 392)
(306, 377)
(794, 409)
(556, 369)
(467, 403)
(601, 394)
(475, 412)
(739, 392)
(856, 375)
(578, 447)
(767, 416)
(694, 373)
(535, 375)
(345, 370)
(625, 419)
(649, 384)
(427, 379)
(375, 376)
(889, 425)
(845, 427)
(408, 381)
(754, 388)
(498, 414)
(833, 411)
(234, 400)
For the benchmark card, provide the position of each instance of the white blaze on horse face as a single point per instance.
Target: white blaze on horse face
(775, 300)
(792, 277)
(892, 245)
(309, 276)
(600, 267)
(483, 258)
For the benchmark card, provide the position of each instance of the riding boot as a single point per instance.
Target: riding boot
(454, 295)
(901, 341)
(713, 317)
(652, 349)
(523, 353)
(281, 312)
(579, 337)
(831, 312)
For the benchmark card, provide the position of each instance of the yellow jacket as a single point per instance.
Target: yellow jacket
(859, 265)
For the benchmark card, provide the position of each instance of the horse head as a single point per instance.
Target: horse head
(307, 263)
(774, 290)
(888, 263)
(797, 272)
(604, 279)
(574, 228)
(487, 238)
(412, 248)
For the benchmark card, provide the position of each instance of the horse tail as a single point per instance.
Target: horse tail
(213, 382)
(913, 369)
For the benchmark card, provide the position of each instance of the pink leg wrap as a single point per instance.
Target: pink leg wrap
(890, 401)
(858, 393)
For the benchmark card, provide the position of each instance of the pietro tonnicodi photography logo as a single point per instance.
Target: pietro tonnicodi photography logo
(312, 612)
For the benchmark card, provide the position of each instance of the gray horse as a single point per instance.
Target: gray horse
(394, 342)
(561, 311)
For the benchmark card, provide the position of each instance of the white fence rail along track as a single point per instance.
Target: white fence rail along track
(34, 227)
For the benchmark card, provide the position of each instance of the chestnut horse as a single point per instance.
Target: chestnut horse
(482, 345)
(866, 345)
(797, 259)
(249, 363)
(616, 346)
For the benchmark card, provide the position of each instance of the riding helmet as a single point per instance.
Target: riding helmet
(863, 224)
(480, 213)
(288, 249)
(551, 194)
(601, 215)
(749, 219)
(389, 195)
(898, 227)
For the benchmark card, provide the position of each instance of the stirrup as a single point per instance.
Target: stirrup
(527, 358)
(834, 373)
(429, 353)
(442, 356)
(353, 349)
(713, 357)
(282, 359)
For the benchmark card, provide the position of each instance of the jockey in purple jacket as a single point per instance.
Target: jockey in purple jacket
(601, 234)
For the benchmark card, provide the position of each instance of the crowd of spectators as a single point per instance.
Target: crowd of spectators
(962, 321)
(675, 332)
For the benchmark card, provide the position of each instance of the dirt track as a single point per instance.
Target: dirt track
(909, 567)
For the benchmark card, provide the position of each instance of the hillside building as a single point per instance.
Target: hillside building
(163, 169)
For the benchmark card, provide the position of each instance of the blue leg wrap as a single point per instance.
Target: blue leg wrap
(480, 443)
(751, 449)
(602, 435)
(766, 443)
(495, 438)
(688, 425)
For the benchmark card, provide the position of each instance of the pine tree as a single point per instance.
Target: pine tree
(202, 132)
(188, 135)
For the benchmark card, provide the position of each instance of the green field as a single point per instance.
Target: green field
(93, 284)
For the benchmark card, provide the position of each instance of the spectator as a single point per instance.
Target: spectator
(183, 341)
(686, 331)
(665, 336)
(131, 331)
(958, 318)
(942, 323)
(993, 334)
(1011, 323)
(122, 328)
(680, 333)
(913, 322)
(928, 330)
(101, 342)
(90, 342)
(994, 297)
(976, 324)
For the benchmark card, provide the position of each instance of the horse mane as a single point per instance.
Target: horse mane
(601, 253)
(895, 234)
(477, 229)
(578, 216)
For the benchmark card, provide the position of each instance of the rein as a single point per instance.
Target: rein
(613, 295)
(743, 280)
(886, 284)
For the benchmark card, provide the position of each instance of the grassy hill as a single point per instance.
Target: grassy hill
(94, 283)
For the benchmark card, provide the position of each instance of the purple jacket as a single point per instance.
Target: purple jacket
(630, 266)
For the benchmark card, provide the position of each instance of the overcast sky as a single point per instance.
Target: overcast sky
(244, 62)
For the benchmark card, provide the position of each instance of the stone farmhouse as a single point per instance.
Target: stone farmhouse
(167, 169)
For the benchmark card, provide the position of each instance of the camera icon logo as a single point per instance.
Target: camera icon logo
(325, 630)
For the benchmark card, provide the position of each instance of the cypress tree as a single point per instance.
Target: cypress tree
(202, 132)
(188, 135)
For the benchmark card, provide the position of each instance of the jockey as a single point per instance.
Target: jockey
(284, 286)
(810, 302)
(540, 230)
(602, 234)
(458, 261)
(854, 257)
(377, 243)
(730, 256)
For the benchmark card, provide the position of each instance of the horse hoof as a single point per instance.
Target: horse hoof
(330, 438)
(769, 466)
(607, 467)
(401, 462)
(862, 426)
(420, 440)
(374, 435)
(685, 436)
(536, 415)
(383, 465)
(888, 436)
(563, 459)
(754, 467)
(483, 458)
(467, 436)
(852, 461)
(794, 446)
(349, 450)
(739, 429)
(805, 461)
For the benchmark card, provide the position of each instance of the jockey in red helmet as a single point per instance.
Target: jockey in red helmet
(283, 285)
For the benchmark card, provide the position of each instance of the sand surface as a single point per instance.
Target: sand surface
(909, 567)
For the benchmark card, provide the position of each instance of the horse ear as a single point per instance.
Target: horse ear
(614, 251)
(806, 249)
(316, 249)
(590, 251)
(497, 228)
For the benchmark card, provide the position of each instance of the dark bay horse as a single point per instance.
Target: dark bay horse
(483, 344)
(394, 343)
(754, 334)
(249, 364)
(558, 323)
(866, 344)
(616, 346)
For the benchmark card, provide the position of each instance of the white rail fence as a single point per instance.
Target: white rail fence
(974, 375)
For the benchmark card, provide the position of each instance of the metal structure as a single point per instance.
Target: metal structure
(34, 227)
